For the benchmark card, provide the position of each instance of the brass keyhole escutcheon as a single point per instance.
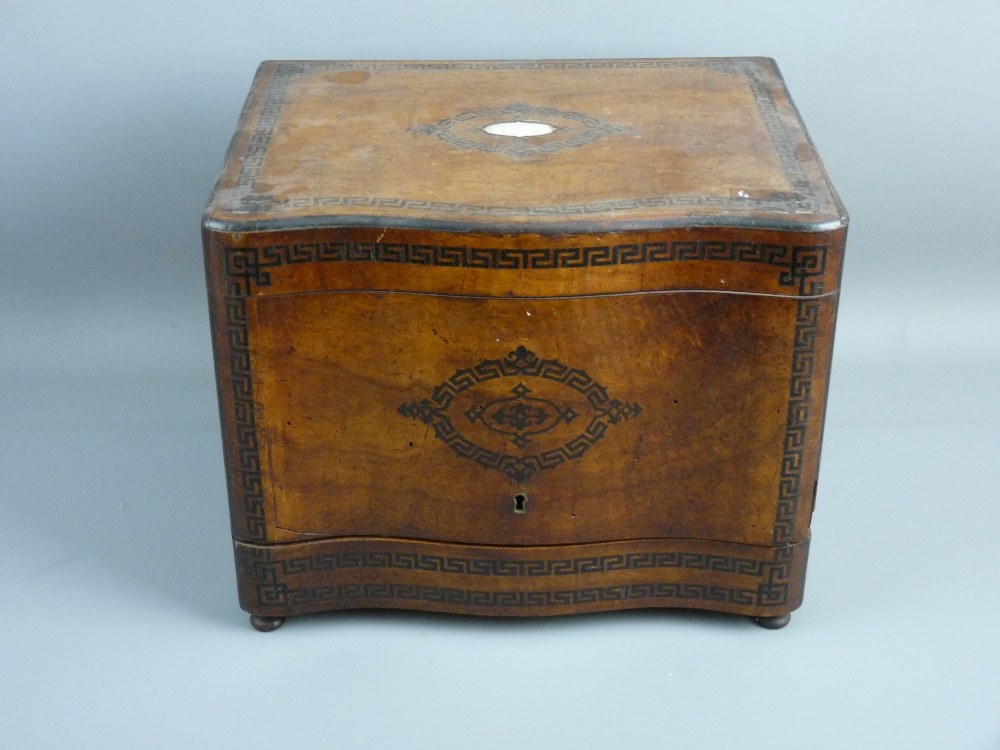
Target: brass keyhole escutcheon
(520, 502)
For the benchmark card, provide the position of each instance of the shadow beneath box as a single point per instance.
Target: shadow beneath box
(668, 617)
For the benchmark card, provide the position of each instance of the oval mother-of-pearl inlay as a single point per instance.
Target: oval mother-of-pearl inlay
(519, 129)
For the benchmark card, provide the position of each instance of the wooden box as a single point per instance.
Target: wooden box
(522, 337)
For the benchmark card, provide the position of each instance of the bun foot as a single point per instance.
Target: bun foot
(773, 623)
(266, 624)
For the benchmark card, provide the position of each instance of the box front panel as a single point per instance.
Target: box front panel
(544, 421)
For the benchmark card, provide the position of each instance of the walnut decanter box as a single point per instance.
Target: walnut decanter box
(522, 337)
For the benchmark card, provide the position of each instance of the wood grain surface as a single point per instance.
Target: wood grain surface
(612, 345)
(636, 142)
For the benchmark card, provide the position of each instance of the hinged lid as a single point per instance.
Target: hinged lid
(522, 146)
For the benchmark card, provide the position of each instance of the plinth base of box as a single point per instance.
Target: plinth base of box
(278, 580)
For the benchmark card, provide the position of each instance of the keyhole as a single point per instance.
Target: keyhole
(519, 500)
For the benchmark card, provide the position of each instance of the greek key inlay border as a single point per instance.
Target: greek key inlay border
(275, 578)
(802, 266)
(250, 485)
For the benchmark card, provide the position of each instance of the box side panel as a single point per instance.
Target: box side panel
(825, 348)
(231, 316)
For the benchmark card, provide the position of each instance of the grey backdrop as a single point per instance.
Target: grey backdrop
(120, 626)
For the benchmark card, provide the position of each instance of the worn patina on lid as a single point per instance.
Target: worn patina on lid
(543, 147)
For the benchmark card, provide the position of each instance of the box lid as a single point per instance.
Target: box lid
(522, 146)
